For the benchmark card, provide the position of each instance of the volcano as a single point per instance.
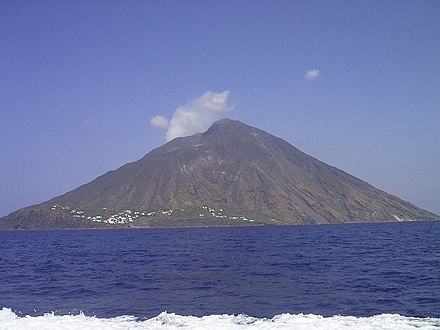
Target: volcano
(232, 174)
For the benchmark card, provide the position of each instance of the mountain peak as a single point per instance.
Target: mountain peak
(233, 174)
(227, 124)
(231, 129)
(226, 121)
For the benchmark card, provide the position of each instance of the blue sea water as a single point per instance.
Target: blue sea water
(360, 271)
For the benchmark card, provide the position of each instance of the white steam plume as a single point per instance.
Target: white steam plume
(195, 116)
(159, 121)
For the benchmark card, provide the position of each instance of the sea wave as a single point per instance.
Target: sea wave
(11, 320)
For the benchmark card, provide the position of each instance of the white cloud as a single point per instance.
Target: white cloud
(195, 116)
(312, 74)
(159, 121)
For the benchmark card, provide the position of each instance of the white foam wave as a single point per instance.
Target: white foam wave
(10, 320)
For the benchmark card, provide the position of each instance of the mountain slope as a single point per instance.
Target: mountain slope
(231, 174)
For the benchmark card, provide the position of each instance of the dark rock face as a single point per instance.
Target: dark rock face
(232, 174)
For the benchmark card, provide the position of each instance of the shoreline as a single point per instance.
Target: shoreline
(218, 226)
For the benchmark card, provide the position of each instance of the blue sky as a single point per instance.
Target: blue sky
(81, 80)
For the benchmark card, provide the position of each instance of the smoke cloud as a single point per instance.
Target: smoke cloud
(159, 121)
(195, 116)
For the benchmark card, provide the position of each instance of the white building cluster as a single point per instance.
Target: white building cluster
(219, 214)
(129, 216)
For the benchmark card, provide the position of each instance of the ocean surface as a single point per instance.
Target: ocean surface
(363, 276)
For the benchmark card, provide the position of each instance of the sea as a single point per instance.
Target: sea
(348, 276)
